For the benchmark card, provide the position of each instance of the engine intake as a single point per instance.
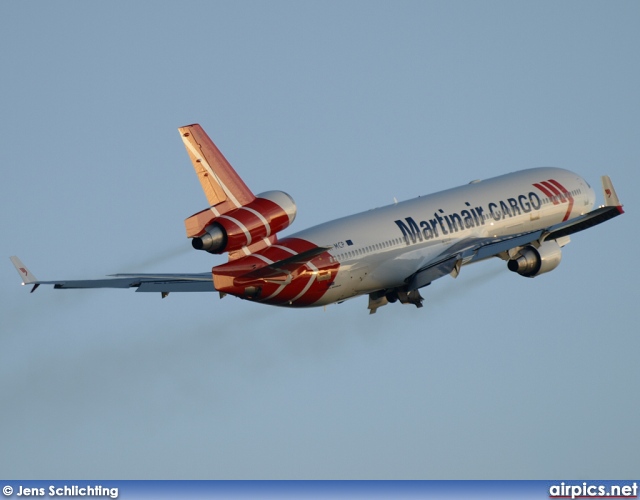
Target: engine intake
(536, 261)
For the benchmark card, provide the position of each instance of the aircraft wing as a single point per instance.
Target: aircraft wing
(163, 283)
(560, 230)
(474, 249)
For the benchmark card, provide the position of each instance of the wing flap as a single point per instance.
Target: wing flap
(433, 272)
(494, 246)
(165, 287)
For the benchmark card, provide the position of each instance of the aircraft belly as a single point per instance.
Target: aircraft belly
(394, 270)
(348, 282)
(333, 295)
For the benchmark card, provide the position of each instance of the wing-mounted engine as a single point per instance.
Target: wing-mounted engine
(265, 216)
(533, 261)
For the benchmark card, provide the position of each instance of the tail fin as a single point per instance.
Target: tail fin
(222, 186)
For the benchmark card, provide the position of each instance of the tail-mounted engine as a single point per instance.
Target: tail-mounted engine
(267, 214)
(534, 261)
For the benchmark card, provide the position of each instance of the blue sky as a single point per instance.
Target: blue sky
(344, 105)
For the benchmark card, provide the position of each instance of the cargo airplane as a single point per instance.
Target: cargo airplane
(388, 253)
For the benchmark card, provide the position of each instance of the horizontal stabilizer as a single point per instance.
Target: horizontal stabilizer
(282, 271)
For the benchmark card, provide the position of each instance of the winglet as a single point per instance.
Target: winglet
(27, 276)
(610, 196)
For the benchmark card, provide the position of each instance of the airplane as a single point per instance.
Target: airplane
(388, 253)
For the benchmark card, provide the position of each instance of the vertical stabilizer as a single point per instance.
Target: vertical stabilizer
(221, 184)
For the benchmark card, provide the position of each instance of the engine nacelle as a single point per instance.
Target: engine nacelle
(269, 213)
(535, 261)
(214, 240)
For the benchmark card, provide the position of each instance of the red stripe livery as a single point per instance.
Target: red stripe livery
(557, 193)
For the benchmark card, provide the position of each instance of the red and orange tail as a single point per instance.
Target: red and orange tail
(220, 182)
(222, 186)
(236, 221)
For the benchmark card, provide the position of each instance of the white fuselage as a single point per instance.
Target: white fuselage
(380, 248)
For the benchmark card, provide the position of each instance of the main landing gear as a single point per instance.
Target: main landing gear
(383, 297)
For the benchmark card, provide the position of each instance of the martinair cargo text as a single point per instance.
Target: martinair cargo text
(389, 253)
